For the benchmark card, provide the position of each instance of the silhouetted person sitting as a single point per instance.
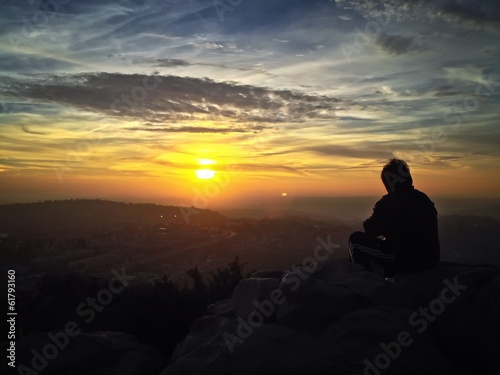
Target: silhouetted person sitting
(406, 218)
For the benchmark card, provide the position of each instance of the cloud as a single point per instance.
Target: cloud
(386, 90)
(358, 152)
(202, 129)
(259, 167)
(482, 137)
(160, 36)
(30, 63)
(398, 45)
(468, 14)
(472, 14)
(345, 18)
(445, 90)
(352, 152)
(171, 63)
(159, 99)
(469, 73)
(26, 130)
(212, 45)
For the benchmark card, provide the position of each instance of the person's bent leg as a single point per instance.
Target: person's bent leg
(365, 249)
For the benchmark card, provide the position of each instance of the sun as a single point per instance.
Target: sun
(205, 174)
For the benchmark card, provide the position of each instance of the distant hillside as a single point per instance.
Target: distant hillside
(469, 239)
(90, 214)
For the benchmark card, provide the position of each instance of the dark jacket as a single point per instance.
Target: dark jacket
(407, 219)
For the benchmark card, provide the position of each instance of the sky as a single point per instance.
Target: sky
(200, 103)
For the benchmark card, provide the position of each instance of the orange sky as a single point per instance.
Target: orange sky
(162, 181)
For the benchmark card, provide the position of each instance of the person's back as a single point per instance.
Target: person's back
(406, 218)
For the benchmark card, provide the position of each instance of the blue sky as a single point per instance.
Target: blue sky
(307, 95)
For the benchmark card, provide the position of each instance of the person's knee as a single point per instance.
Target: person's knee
(356, 237)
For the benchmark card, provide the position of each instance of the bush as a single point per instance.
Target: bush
(158, 314)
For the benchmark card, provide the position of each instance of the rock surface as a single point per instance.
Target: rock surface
(97, 353)
(337, 318)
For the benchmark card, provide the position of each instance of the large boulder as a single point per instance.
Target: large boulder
(337, 318)
(249, 292)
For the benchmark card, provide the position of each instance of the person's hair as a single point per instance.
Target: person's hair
(396, 175)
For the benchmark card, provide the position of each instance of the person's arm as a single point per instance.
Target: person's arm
(376, 224)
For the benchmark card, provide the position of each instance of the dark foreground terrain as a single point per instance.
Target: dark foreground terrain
(319, 318)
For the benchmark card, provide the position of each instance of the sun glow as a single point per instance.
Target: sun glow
(205, 174)
(206, 161)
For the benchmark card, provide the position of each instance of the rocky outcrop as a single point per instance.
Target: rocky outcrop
(97, 353)
(337, 318)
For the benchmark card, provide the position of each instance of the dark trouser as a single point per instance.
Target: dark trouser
(365, 249)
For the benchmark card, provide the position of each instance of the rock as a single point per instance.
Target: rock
(273, 274)
(341, 319)
(470, 330)
(250, 292)
(87, 353)
(316, 301)
(224, 308)
(195, 343)
(269, 349)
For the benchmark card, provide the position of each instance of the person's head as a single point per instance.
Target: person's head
(396, 175)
